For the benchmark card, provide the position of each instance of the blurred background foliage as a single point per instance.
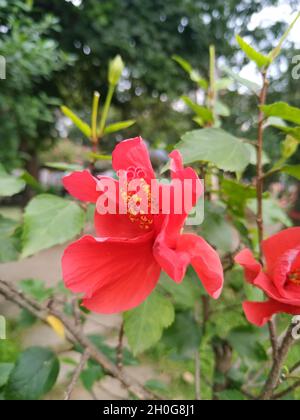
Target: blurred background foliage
(58, 52)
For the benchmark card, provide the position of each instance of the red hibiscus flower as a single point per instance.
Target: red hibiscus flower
(280, 280)
(119, 268)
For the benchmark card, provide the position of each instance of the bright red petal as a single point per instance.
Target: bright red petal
(191, 249)
(259, 313)
(277, 245)
(174, 263)
(133, 153)
(205, 261)
(252, 268)
(113, 224)
(192, 185)
(114, 275)
(184, 191)
(116, 226)
(176, 163)
(82, 185)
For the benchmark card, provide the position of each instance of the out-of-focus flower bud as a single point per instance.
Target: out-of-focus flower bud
(116, 67)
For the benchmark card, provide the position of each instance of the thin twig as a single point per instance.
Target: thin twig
(295, 367)
(93, 395)
(197, 376)
(280, 354)
(120, 348)
(275, 373)
(259, 167)
(84, 358)
(273, 337)
(75, 335)
(76, 311)
(287, 391)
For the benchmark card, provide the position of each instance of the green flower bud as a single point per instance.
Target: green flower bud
(116, 67)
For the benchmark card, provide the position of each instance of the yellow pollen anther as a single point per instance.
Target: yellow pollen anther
(133, 201)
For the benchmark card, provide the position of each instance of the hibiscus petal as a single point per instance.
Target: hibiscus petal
(113, 224)
(205, 261)
(133, 153)
(114, 274)
(255, 276)
(252, 268)
(174, 263)
(184, 191)
(82, 185)
(116, 226)
(176, 163)
(192, 185)
(259, 313)
(194, 250)
(277, 245)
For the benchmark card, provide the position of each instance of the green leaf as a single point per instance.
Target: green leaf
(222, 109)
(260, 59)
(184, 294)
(92, 374)
(194, 74)
(282, 110)
(253, 293)
(158, 386)
(272, 212)
(199, 121)
(185, 65)
(292, 170)
(254, 87)
(216, 229)
(246, 340)
(236, 192)
(26, 319)
(63, 166)
(289, 147)
(5, 370)
(231, 395)
(184, 336)
(10, 185)
(113, 128)
(32, 182)
(8, 240)
(292, 131)
(49, 221)
(80, 124)
(108, 351)
(36, 289)
(253, 155)
(33, 376)
(144, 325)
(223, 83)
(204, 113)
(9, 351)
(276, 51)
(215, 146)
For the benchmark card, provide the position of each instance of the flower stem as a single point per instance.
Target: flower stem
(259, 168)
(278, 361)
(105, 111)
(95, 117)
(279, 352)
(212, 81)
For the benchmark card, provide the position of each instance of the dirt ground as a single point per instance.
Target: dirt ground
(46, 266)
